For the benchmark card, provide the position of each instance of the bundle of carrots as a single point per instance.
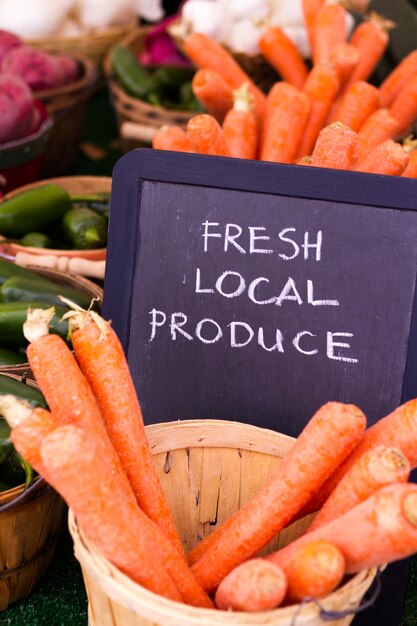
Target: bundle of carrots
(327, 116)
(354, 478)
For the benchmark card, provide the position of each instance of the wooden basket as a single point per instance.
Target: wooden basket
(66, 280)
(209, 469)
(30, 524)
(67, 106)
(92, 261)
(129, 109)
(92, 44)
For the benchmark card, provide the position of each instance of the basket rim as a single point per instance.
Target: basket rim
(123, 590)
(114, 30)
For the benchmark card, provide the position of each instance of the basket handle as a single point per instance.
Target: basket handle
(138, 132)
(75, 265)
(330, 616)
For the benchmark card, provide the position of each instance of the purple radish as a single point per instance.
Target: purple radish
(38, 69)
(8, 41)
(16, 108)
(68, 68)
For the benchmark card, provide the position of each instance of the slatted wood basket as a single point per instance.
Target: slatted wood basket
(129, 109)
(90, 262)
(66, 280)
(67, 106)
(209, 469)
(30, 524)
(92, 44)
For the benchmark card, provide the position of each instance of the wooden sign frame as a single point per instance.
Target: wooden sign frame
(140, 166)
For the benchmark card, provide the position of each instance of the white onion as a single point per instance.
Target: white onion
(243, 36)
(33, 18)
(238, 10)
(99, 14)
(150, 10)
(287, 13)
(204, 16)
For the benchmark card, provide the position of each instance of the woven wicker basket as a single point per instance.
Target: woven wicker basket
(67, 106)
(209, 469)
(30, 524)
(92, 44)
(66, 280)
(129, 109)
(91, 262)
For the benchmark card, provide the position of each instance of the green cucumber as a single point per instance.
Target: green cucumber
(9, 270)
(134, 78)
(25, 290)
(23, 391)
(10, 357)
(13, 315)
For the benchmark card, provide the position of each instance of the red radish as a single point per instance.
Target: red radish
(8, 41)
(16, 108)
(37, 68)
(68, 68)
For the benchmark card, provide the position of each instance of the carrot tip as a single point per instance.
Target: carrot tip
(37, 323)
(15, 411)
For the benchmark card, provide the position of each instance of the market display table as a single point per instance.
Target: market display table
(60, 598)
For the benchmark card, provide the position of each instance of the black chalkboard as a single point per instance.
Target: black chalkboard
(256, 292)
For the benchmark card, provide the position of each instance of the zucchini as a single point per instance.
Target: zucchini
(25, 290)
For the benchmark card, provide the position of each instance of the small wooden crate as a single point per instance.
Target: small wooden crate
(129, 109)
(30, 524)
(67, 106)
(209, 469)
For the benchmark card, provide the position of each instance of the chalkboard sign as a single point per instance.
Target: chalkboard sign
(256, 292)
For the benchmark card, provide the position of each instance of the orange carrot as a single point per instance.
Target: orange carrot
(240, 126)
(376, 129)
(310, 10)
(214, 93)
(206, 135)
(257, 585)
(207, 53)
(396, 430)
(404, 106)
(337, 147)
(283, 55)
(398, 78)
(29, 428)
(52, 363)
(305, 160)
(327, 439)
(388, 158)
(314, 570)
(376, 468)
(171, 138)
(410, 146)
(322, 86)
(359, 101)
(371, 40)
(382, 529)
(345, 58)
(103, 363)
(285, 119)
(329, 31)
(79, 472)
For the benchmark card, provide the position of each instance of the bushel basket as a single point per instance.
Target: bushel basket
(209, 469)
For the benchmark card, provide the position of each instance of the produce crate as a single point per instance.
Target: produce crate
(129, 109)
(54, 258)
(66, 280)
(209, 469)
(30, 524)
(67, 106)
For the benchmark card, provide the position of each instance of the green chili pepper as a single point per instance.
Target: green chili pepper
(13, 315)
(33, 210)
(134, 78)
(85, 228)
(20, 289)
(9, 385)
(36, 240)
(8, 270)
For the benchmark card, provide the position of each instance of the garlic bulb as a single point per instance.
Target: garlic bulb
(99, 14)
(243, 36)
(203, 16)
(150, 10)
(247, 9)
(287, 13)
(33, 18)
